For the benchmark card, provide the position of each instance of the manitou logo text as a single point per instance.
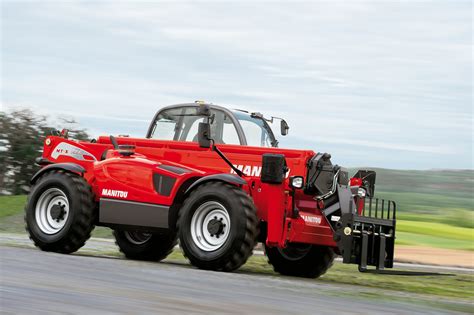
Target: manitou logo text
(114, 193)
(250, 170)
(311, 219)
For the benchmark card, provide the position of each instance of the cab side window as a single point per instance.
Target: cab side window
(181, 124)
(229, 132)
(192, 126)
(167, 125)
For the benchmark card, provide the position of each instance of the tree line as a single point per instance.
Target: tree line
(22, 134)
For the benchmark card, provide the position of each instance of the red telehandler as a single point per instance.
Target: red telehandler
(216, 180)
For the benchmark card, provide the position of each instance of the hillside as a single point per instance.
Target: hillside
(444, 196)
(436, 208)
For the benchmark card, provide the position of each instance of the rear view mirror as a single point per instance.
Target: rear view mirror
(284, 127)
(273, 168)
(204, 135)
(204, 110)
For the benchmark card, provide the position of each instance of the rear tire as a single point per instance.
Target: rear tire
(217, 227)
(145, 246)
(59, 213)
(301, 260)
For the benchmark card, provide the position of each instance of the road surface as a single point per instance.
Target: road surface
(36, 282)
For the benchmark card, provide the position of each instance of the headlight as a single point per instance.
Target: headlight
(296, 182)
(361, 192)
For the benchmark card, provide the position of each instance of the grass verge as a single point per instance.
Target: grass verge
(449, 285)
(12, 213)
(408, 232)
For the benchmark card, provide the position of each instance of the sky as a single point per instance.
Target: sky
(374, 83)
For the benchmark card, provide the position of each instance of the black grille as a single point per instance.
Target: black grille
(163, 184)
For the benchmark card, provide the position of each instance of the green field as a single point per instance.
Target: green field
(12, 217)
(408, 232)
(441, 196)
(435, 208)
(434, 235)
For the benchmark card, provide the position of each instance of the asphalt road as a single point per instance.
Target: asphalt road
(36, 282)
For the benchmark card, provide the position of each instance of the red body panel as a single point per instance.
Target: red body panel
(131, 178)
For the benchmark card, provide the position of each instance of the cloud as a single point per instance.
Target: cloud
(387, 145)
(203, 34)
(370, 74)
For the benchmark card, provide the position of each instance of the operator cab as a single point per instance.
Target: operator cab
(237, 127)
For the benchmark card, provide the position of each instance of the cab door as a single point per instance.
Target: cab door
(181, 124)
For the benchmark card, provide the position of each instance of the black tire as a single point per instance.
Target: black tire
(301, 260)
(240, 238)
(78, 224)
(145, 246)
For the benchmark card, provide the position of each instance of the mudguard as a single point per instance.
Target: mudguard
(68, 167)
(227, 178)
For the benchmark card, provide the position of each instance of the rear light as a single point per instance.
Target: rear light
(355, 181)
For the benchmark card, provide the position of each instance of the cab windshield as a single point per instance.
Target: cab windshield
(256, 130)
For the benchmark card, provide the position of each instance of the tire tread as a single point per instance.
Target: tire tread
(82, 228)
(313, 265)
(158, 248)
(242, 250)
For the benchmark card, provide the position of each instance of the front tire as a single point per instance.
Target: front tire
(301, 260)
(145, 246)
(59, 213)
(217, 227)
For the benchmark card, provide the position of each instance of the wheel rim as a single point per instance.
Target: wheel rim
(52, 211)
(295, 251)
(210, 226)
(137, 238)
